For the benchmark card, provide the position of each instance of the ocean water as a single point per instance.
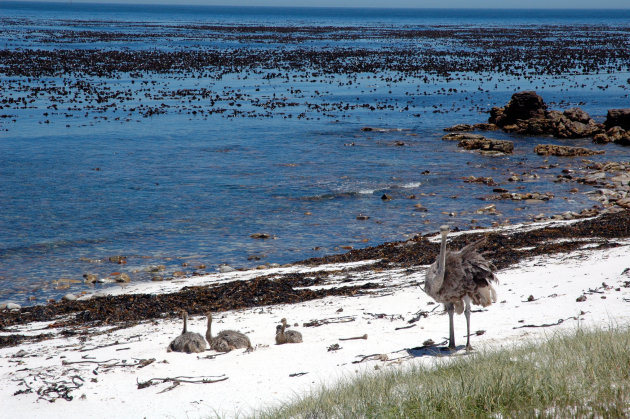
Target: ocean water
(179, 166)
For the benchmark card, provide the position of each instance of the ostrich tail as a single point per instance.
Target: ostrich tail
(486, 296)
(459, 307)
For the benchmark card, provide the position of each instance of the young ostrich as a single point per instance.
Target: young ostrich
(458, 278)
(288, 336)
(188, 341)
(226, 340)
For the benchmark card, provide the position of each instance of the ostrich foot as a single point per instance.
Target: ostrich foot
(469, 348)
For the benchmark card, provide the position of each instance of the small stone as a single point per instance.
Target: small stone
(225, 269)
(530, 298)
(69, 297)
(157, 268)
(123, 277)
(179, 274)
(12, 306)
(90, 278)
(581, 298)
(157, 278)
(118, 259)
(362, 217)
(386, 197)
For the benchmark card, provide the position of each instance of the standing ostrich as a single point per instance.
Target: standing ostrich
(457, 278)
(226, 340)
(188, 341)
(287, 336)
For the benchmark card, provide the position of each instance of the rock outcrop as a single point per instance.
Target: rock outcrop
(527, 113)
(564, 151)
(487, 145)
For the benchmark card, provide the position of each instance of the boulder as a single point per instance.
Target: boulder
(618, 117)
(523, 105)
(564, 151)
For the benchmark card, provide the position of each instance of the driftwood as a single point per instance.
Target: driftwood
(560, 321)
(298, 374)
(373, 357)
(317, 323)
(405, 327)
(140, 363)
(355, 338)
(180, 379)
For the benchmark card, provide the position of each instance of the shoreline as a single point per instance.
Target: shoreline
(576, 278)
(130, 303)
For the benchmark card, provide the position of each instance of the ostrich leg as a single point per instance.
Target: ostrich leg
(450, 308)
(467, 314)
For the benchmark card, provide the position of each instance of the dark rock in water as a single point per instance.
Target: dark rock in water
(362, 217)
(386, 197)
(618, 117)
(615, 134)
(485, 126)
(123, 277)
(459, 127)
(118, 259)
(523, 105)
(577, 115)
(455, 136)
(565, 151)
(90, 278)
(526, 113)
(487, 144)
(260, 236)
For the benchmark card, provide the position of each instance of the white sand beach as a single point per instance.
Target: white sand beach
(101, 373)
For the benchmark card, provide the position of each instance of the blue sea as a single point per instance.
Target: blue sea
(179, 167)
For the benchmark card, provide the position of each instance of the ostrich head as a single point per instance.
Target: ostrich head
(444, 229)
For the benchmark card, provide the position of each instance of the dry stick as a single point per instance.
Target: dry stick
(546, 325)
(357, 337)
(405, 327)
(317, 323)
(180, 379)
(373, 357)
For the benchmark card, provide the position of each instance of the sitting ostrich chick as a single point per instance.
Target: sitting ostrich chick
(287, 336)
(188, 341)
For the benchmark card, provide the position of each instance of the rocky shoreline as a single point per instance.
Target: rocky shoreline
(503, 246)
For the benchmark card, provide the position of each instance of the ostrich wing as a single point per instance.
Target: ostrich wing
(475, 266)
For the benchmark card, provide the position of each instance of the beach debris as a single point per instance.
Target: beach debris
(334, 347)
(373, 357)
(560, 321)
(317, 323)
(298, 374)
(405, 327)
(365, 336)
(209, 379)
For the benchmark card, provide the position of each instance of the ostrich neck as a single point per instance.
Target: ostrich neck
(209, 330)
(284, 325)
(185, 324)
(439, 280)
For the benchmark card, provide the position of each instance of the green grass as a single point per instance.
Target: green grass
(584, 374)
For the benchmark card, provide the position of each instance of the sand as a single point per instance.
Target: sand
(101, 373)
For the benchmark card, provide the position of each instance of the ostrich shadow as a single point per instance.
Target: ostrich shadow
(434, 350)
